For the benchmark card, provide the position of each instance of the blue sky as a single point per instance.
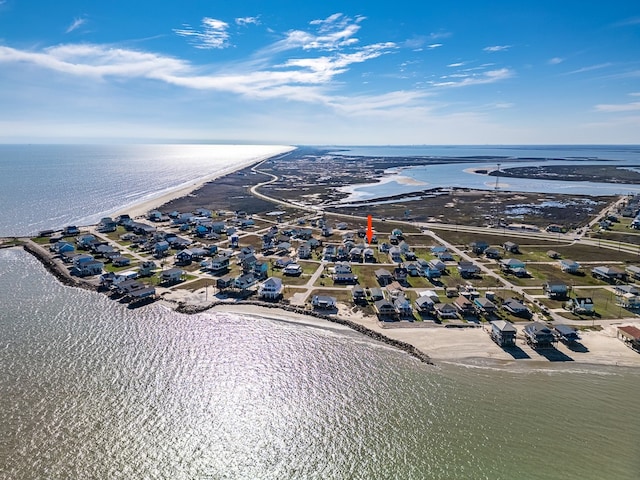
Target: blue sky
(328, 72)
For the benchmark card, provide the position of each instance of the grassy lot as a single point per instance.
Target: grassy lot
(583, 253)
(543, 272)
(465, 238)
(604, 301)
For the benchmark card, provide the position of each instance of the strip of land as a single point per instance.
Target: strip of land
(218, 243)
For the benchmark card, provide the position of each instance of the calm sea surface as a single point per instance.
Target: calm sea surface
(90, 389)
(50, 186)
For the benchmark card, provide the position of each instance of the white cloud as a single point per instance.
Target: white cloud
(555, 60)
(635, 94)
(248, 21)
(590, 68)
(490, 76)
(213, 34)
(496, 48)
(77, 23)
(621, 107)
(435, 45)
(453, 65)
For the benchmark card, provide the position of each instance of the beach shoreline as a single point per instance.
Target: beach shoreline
(468, 346)
(139, 209)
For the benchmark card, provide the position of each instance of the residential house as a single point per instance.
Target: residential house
(376, 294)
(84, 241)
(358, 295)
(342, 267)
(107, 224)
(283, 262)
(464, 306)
(304, 250)
(553, 254)
(468, 269)
(324, 302)
(87, 269)
(244, 281)
(511, 247)
(630, 289)
(432, 294)
(516, 307)
(355, 254)
(581, 305)
(400, 274)
(146, 268)
(478, 246)
(445, 256)
(511, 265)
(173, 275)
(538, 335)
(369, 255)
(219, 264)
(608, 274)
(385, 309)
(503, 333)
(633, 271)
(436, 249)
(183, 257)
(271, 288)
(62, 247)
(121, 261)
(493, 253)
(344, 278)
(569, 266)
(445, 311)
(403, 307)
(225, 282)
(68, 231)
(566, 334)
(414, 269)
(485, 306)
(395, 254)
(161, 249)
(260, 270)
(556, 289)
(292, 270)
(424, 304)
(630, 335)
(383, 276)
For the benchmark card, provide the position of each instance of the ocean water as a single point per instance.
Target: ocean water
(50, 186)
(90, 389)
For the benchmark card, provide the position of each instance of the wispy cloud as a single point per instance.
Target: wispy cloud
(455, 65)
(247, 21)
(434, 45)
(590, 68)
(620, 107)
(555, 60)
(213, 34)
(491, 76)
(302, 79)
(496, 48)
(628, 22)
(77, 23)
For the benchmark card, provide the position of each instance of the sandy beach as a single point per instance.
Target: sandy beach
(141, 208)
(465, 346)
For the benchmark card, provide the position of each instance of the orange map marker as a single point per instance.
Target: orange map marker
(369, 229)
